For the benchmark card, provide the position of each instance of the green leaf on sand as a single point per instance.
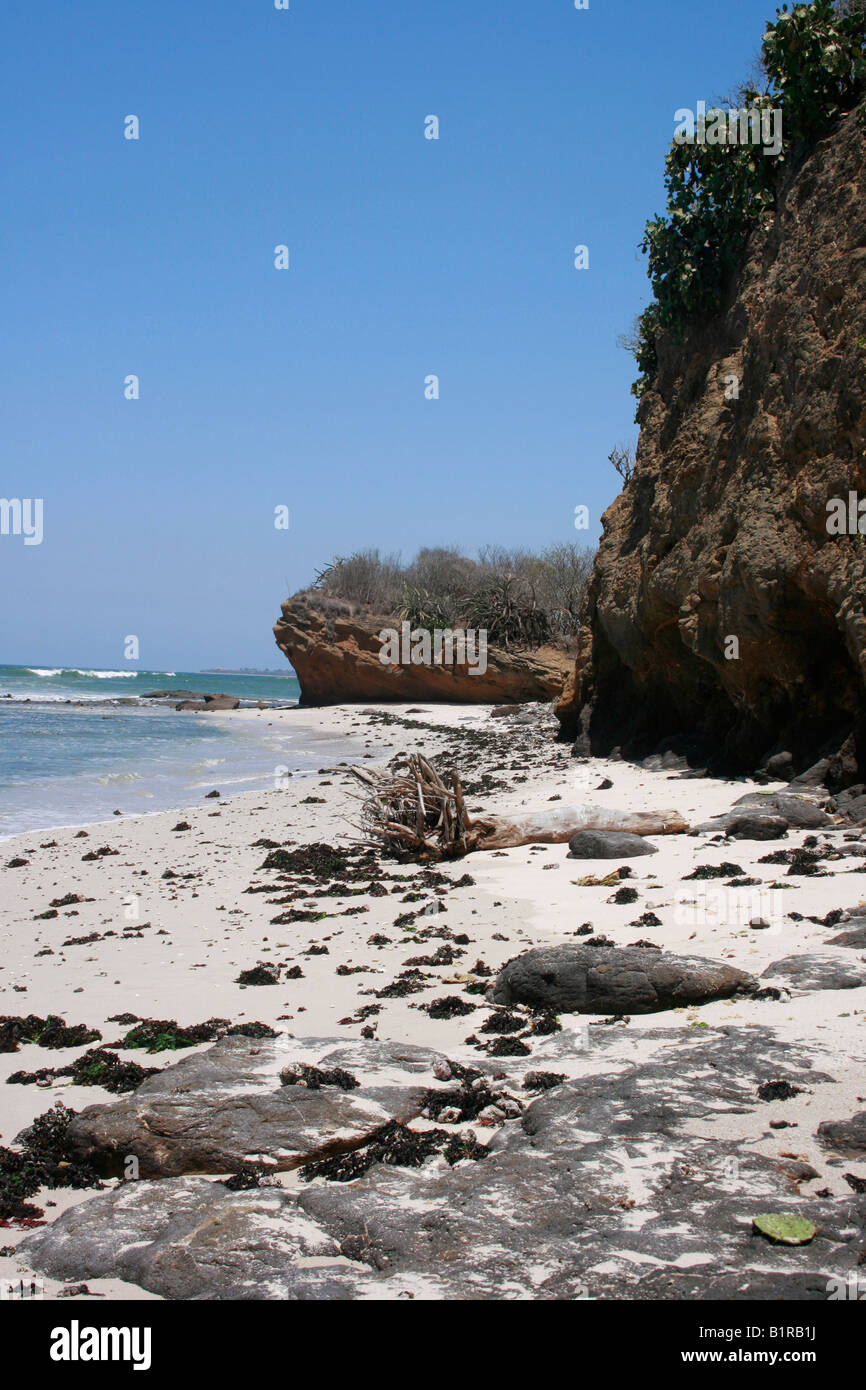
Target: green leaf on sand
(784, 1230)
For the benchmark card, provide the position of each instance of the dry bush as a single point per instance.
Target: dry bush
(519, 597)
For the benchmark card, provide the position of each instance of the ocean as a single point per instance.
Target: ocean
(76, 745)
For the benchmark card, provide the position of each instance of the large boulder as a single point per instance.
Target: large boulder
(759, 816)
(608, 844)
(614, 980)
(855, 939)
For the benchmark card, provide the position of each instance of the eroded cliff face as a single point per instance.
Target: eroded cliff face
(336, 660)
(722, 532)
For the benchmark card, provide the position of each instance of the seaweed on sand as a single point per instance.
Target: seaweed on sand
(43, 1160)
(47, 1032)
(319, 860)
(725, 870)
(449, 1006)
(503, 1022)
(166, 1035)
(97, 1067)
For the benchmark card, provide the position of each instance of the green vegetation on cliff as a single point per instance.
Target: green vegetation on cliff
(812, 69)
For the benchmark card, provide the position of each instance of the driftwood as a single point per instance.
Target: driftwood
(417, 812)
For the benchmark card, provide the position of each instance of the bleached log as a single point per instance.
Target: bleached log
(419, 811)
(551, 827)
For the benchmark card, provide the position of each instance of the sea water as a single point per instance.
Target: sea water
(77, 744)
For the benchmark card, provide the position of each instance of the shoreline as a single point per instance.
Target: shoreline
(180, 955)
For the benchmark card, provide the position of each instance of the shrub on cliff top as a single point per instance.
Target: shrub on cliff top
(814, 65)
(518, 597)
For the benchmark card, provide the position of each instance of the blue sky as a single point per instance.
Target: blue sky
(305, 387)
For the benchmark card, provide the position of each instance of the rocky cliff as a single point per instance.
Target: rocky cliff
(722, 615)
(336, 660)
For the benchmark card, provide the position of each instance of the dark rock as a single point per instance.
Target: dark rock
(854, 939)
(780, 767)
(579, 979)
(817, 970)
(845, 1136)
(814, 776)
(608, 844)
(585, 1198)
(760, 816)
(210, 1113)
(746, 826)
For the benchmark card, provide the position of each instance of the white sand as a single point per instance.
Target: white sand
(204, 930)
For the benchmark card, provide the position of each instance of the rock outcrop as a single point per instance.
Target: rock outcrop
(721, 615)
(336, 660)
(213, 1112)
(581, 1197)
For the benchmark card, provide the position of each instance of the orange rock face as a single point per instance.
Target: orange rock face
(723, 611)
(337, 661)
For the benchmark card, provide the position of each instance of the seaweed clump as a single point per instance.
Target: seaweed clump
(47, 1032)
(44, 1160)
(97, 1067)
(314, 1078)
(166, 1035)
(262, 974)
(317, 860)
(398, 1146)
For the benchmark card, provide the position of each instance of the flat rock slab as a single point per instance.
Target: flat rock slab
(614, 980)
(759, 817)
(817, 970)
(212, 1112)
(845, 1136)
(855, 938)
(614, 1184)
(608, 844)
(191, 1238)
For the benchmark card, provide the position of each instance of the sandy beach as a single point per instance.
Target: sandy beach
(166, 923)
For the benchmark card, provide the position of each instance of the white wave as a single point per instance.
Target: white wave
(112, 778)
(78, 671)
(106, 675)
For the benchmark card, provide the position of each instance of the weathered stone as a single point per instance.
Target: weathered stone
(614, 980)
(608, 844)
(723, 527)
(585, 1197)
(759, 816)
(817, 970)
(845, 1136)
(336, 660)
(219, 1109)
(855, 939)
(190, 1238)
